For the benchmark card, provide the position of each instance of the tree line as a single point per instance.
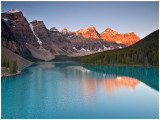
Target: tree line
(143, 57)
(12, 65)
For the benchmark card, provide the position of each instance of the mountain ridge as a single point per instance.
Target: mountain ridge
(108, 35)
(113, 36)
(40, 41)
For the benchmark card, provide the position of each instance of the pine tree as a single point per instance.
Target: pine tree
(7, 63)
(13, 66)
(2, 61)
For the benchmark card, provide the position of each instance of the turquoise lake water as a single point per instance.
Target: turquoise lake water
(71, 90)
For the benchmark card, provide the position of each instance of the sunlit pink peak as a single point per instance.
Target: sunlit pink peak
(64, 30)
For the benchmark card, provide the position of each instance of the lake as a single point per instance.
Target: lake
(72, 90)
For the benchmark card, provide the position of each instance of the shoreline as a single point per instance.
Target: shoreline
(120, 65)
(12, 74)
(5, 71)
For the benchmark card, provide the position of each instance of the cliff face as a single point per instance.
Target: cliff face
(9, 41)
(19, 27)
(41, 33)
(61, 42)
(113, 36)
(52, 39)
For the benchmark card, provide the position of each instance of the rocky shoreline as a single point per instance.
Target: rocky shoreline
(5, 72)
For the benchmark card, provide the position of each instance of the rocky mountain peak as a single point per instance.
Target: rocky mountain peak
(64, 30)
(110, 30)
(120, 38)
(91, 27)
(19, 27)
(108, 33)
(89, 32)
(131, 33)
(37, 23)
(13, 15)
(53, 29)
(13, 11)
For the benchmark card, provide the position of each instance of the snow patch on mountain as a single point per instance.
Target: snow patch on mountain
(118, 41)
(99, 50)
(13, 11)
(54, 30)
(74, 48)
(5, 19)
(83, 49)
(32, 28)
(70, 36)
(107, 48)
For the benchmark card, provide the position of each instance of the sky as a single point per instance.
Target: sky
(139, 17)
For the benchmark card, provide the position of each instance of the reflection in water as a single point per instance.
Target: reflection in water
(45, 65)
(147, 75)
(112, 84)
(110, 77)
(89, 87)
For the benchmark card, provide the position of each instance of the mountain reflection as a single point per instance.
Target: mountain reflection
(113, 84)
(89, 86)
(93, 79)
(147, 75)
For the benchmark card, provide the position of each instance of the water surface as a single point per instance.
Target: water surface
(72, 90)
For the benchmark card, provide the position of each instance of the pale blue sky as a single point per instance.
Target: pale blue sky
(139, 17)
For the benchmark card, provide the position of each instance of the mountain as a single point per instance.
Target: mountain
(10, 42)
(84, 46)
(30, 39)
(19, 27)
(51, 41)
(34, 41)
(109, 35)
(89, 32)
(49, 38)
(64, 30)
(144, 52)
(113, 36)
